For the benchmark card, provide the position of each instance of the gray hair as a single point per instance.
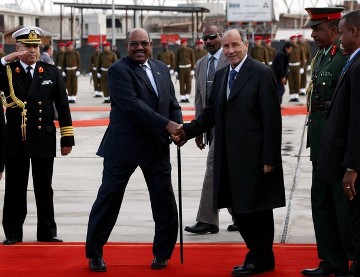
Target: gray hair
(242, 34)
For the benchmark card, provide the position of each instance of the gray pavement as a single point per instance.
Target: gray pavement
(77, 178)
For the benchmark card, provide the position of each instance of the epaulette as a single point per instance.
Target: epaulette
(342, 50)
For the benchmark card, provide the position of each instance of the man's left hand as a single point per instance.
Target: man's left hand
(65, 150)
(348, 184)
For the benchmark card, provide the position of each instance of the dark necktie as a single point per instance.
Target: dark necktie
(28, 76)
(233, 73)
(210, 76)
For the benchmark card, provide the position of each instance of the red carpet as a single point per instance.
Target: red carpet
(129, 259)
(285, 111)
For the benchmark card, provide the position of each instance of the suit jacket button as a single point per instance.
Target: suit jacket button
(40, 103)
(40, 119)
(39, 127)
(40, 111)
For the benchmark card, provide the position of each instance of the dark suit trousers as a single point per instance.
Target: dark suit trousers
(331, 217)
(257, 230)
(355, 224)
(15, 206)
(107, 205)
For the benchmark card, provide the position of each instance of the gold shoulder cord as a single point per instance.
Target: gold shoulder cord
(311, 84)
(16, 102)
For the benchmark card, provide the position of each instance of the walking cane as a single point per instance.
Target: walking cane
(180, 205)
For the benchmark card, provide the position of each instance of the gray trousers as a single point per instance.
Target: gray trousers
(206, 209)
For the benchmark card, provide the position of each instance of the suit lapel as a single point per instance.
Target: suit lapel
(156, 74)
(241, 78)
(342, 78)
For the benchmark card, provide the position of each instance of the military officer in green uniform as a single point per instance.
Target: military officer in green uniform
(259, 52)
(184, 68)
(59, 57)
(106, 59)
(307, 58)
(71, 70)
(296, 68)
(329, 204)
(93, 70)
(270, 50)
(167, 57)
(199, 51)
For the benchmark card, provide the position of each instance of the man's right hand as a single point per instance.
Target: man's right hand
(199, 140)
(14, 56)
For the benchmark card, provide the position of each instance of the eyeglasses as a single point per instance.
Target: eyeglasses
(143, 43)
(211, 37)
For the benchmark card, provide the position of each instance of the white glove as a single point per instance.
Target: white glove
(301, 71)
(176, 73)
(192, 73)
(63, 74)
(90, 74)
(308, 68)
(77, 74)
(98, 75)
(171, 71)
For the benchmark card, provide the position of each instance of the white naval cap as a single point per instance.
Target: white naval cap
(28, 35)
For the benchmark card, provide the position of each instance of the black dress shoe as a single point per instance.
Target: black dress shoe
(202, 228)
(97, 265)
(232, 228)
(316, 272)
(249, 269)
(52, 239)
(159, 263)
(11, 241)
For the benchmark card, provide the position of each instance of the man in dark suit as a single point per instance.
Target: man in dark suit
(248, 175)
(143, 111)
(31, 89)
(339, 154)
(207, 219)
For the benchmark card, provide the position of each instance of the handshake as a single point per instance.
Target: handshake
(176, 132)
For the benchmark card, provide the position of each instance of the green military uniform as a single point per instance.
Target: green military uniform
(184, 64)
(93, 69)
(59, 59)
(330, 206)
(167, 57)
(296, 61)
(271, 53)
(106, 59)
(259, 52)
(307, 58)
(199, 53)
(70, 65)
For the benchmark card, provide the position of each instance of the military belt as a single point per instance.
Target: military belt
(185, 66)
(104, 69)
(294, 64)
(71, 68)
(320, 106)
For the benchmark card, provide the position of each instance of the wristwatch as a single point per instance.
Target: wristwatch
(350, 170)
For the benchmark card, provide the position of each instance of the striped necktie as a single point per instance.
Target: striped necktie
(210, 76)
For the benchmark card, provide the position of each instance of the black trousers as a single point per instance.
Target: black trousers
(15, 204)
(355, 225)
(107, 205)
(257, 230)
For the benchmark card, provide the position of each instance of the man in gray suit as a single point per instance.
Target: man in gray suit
(207, 219)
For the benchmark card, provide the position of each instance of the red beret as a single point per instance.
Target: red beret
(199, 42)
(300, 36)
(257, 38)
(61, 44)
(95, 45)
(267, 40)
(183, 40)
(293, 36)
(69, 43)
(1, 46)
(106, 43)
